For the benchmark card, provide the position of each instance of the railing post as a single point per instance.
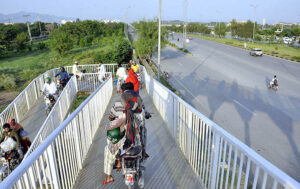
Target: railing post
(215, 157)
(60, 111)
(26, 96)
(53, 167)
(76, 84)
(76, 127)
(16, 110)
(35, 90)
(189, 134)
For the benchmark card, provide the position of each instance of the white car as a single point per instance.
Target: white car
(256, 52)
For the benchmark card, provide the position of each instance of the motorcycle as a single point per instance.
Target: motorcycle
(9, 161)
(50, 101)
(132, 169)
(61, 84)
(273, 86)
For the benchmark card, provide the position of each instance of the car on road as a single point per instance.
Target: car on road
(190, 37)
(256, 52)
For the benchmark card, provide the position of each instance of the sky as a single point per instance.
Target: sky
(133, 10)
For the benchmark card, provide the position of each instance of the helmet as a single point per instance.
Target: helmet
(48, 79)
(115, 135)
(23, 133)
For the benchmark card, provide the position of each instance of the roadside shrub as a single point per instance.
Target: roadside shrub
(8, 82)
(41, 46)
(29, 74)
(21, 41)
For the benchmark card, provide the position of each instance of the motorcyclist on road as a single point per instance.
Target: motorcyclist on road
(8, 132)
(274, 82)
(64, 76)
(50, 88)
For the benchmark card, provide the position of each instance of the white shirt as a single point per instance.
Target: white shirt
(121, 73)
(75, 68)
(102, 69)
(50, 88)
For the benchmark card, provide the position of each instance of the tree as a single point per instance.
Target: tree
(220, 29)
(61, 41)
(148, 38)
(122, 50)
(21, 41)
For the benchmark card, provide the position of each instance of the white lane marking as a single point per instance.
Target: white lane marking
(247, 109)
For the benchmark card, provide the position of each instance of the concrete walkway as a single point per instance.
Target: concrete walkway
(166, 167)
(35, 117)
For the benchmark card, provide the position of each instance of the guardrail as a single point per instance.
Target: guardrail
(20, 106)
(218, 158)
(57, 114)
(57, 161)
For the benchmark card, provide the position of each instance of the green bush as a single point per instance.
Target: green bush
(21, 41)
(8, 82)
(41, 46)
(61, 41)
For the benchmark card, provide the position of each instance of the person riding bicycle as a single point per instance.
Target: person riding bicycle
(9, 132)
(64, 76)
(50, 88)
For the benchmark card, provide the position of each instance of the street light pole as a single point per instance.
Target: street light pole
(159, 36)
(29, 33)
(254, 6)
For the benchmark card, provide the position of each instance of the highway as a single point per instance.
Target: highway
(230, 87)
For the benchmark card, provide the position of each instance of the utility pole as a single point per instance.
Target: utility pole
(159, 36)
(219, 13)
(254, 6)
(29, 33)
(185, 21)
(40, 24)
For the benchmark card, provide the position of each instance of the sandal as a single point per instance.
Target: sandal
(107, 182)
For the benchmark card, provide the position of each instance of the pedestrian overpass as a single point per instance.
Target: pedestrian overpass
(187, 150)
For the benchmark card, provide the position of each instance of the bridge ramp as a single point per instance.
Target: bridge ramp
(165, 168)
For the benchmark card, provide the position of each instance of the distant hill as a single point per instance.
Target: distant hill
(19, 17)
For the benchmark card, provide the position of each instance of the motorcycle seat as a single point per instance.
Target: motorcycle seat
(134, 151)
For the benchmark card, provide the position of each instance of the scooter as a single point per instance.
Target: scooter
(50, 101)
(132, 169)
(9, 161)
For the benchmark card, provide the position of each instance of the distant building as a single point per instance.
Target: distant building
(283, 24)
(8, 23)
(65, 21)
(109, 21)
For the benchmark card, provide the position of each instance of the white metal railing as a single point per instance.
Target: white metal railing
(57, 114)
(218, 158)
(20, 106)
(57, 161)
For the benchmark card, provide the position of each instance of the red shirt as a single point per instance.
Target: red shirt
(133, 79)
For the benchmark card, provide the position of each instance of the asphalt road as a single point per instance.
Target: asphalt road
(230, 87)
